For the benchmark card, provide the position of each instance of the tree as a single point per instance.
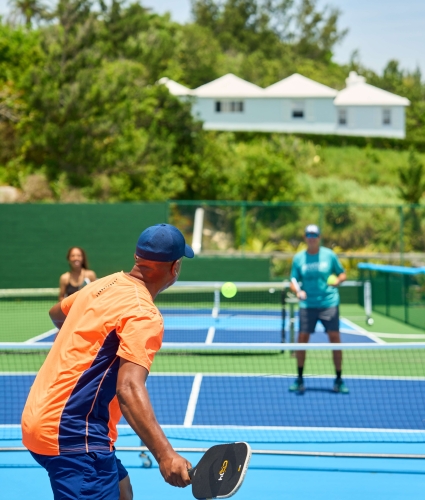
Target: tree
(197, 56)
(316, 32)
(29, 10)
(249, 25)
(412, 185)
(239, 25)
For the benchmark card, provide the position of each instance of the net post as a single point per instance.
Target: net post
(290, 302)
(283, 331)
(387, 294)
(367, 291)
(243, 226)
(401, 235)
(216, 307)
(405, 291)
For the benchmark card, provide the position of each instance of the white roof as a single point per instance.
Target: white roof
(297, 85)
(229, 86)
(174, 87)
(360, 93)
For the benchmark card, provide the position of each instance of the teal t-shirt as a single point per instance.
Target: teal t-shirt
(313, 271)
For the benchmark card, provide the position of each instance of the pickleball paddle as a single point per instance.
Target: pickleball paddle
(221, 471)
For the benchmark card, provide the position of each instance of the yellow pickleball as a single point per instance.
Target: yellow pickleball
(332, 280)
(229, 290)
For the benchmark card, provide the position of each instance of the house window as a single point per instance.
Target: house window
(386, 117)
(298, 109)
(229, 106)
(342, 117)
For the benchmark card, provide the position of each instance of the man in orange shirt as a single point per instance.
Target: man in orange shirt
(96, 371)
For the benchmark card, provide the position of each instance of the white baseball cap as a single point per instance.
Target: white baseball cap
(312, 230)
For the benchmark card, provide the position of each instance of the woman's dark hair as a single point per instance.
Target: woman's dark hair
(85, 264)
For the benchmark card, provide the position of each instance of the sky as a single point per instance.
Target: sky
(379, 29)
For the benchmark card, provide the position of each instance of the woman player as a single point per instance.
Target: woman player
(78, 276)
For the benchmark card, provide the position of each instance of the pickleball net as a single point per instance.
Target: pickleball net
(240, 392)
(193, 312)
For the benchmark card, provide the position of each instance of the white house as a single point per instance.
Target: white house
(296, 104)
(230, 103)
(302, 105)
(368, 111)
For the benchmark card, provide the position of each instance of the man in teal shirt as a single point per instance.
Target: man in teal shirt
(320, 272)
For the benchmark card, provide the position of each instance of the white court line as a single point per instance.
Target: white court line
(16, 374)
(401, 335)
(364, 332)
(267, 428)
(278, 428)
(284, 375)
(254, 375)
(210, 335)
(193, 400)
(42, 336)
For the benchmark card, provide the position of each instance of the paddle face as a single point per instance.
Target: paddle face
(221, 471)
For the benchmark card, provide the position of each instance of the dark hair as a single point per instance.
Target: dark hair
(85, 264)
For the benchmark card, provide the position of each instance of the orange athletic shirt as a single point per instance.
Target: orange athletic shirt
(72, 406)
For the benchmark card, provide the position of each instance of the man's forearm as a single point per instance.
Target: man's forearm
(137, 410)
(341, 277)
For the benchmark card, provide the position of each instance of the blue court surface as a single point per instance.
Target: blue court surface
(263, 412)
(380, 415)
(264, 404)
(239, 325)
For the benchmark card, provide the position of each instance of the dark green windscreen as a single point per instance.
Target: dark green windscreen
(225, 269)
(34, 239)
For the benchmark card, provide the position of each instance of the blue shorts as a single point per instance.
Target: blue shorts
(79, 476)
(328, 316)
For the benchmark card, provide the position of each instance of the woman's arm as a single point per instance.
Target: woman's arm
(63, 281)
(57, 315)
(91, 275)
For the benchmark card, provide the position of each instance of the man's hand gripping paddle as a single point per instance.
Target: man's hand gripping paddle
(221, 471)
(300, 293)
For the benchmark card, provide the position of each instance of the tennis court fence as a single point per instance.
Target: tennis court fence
(397, 292)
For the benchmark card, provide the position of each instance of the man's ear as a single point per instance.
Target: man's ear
(175, 267)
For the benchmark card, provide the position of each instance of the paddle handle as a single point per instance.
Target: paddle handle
(296, 285)
(191, 472)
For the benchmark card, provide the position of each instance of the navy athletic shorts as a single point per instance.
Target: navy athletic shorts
(82, 476)
(328, 316)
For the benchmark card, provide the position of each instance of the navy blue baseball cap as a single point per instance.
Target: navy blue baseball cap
(163, 243)
(312, 231)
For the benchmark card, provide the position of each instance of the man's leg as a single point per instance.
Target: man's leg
(339, 386)
(82, 476)
(298, 385)
(329, 317)
(308, 320)
(126, 491)
(335, 338)
(303, 338)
